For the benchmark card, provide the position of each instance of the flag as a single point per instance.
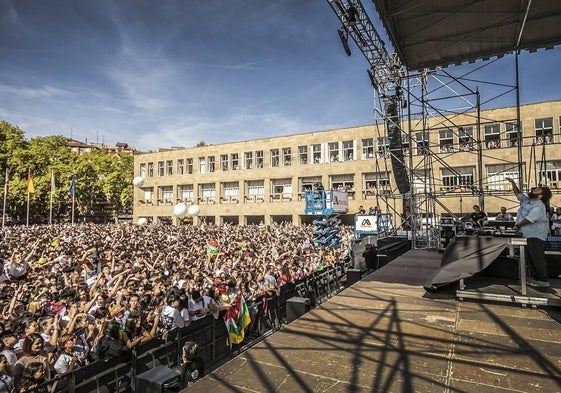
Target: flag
(30, 187)
(53, 184)
(6, 184)
(237, 319)
(212, 247)
(72, 185)
(55, 241)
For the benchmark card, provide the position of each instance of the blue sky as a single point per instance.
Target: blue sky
(161, 73)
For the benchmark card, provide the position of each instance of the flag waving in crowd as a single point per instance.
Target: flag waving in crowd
(237, 319)
(212, 247)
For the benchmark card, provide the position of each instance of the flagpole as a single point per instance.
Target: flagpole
(51, 201)
(72, 191)
(27, 216)
(5, 198)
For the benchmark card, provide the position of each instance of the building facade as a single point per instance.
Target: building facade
(456, 163)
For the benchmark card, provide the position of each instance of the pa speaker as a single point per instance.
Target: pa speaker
(161, 379)
(296, 307)
(353, 276)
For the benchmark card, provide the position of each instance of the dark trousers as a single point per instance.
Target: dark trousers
(535, 258)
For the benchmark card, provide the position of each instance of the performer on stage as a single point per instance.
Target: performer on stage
(504, 216)
(532, 221)
(478, 217)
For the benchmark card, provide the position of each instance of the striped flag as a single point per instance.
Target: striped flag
(212, 247)
(237, 319)
(72, 188)
(30, 188)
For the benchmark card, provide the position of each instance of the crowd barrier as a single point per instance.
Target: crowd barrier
(211, 335)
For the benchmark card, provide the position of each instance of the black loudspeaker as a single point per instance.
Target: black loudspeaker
(158, 380)
(393, 126)
(353, 276)
(296, 307)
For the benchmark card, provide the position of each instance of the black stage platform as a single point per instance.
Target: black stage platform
(387, 334)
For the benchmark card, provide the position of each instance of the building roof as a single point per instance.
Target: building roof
(427, 34)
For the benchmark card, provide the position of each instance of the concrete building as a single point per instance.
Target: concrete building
(456, 164)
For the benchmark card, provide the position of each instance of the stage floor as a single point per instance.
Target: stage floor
(386, 334)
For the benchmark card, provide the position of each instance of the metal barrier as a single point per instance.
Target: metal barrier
(211, 335)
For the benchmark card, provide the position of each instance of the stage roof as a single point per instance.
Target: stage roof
(430, 33)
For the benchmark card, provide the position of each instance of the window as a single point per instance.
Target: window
(333, 151)
(492, 136)
(224, 162)
(445, 141)
(367, 149)
(316, 154)
(255, 190)
(421, 182)
(307, 183)
(348, 150)
(202, 165)
(248, 160)
(405, 144)
(342, 183)
(274, 158)
(302, 155)
(457, 178)
(259, 159)
(169, 167)
(287, 156)
(180, 166)
(143, 170)
(511, 135)
(207, 192)
(551, 174)
(422, 140)
(281, 189)
(383, 147)
(166, 194)
(376, 183)
(235, 161)
(211, 164)
(231, 191)
(150, 169)
(544, 131)
(148, 194)
(466, 138)
(161, 168)
(185, 193)
(190, 166)
(496, 175)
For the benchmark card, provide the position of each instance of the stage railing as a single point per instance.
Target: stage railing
(211, 335)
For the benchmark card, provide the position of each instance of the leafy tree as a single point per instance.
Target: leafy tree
(103, 181)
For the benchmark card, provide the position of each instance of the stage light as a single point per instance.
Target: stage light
(344, 36)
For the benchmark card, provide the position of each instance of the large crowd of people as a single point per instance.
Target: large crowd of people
(73, 295)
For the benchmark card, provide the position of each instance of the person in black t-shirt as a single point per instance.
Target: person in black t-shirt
(192, 367)
(477, 217)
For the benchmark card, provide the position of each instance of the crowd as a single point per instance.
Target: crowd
(73, 295)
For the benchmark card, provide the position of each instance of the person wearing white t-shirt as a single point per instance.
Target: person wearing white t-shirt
(200, 305)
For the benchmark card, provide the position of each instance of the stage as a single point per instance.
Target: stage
(387, 334)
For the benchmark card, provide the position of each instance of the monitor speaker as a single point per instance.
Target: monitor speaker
(296, 307)
(160, 379)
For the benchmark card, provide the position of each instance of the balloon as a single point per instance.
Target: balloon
(180, 210)
(194, 210)
(142, 221)
(138, 181)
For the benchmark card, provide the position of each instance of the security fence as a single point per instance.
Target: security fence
(115, 376)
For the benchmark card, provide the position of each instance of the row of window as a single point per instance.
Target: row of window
(374, 183)
(460, 139)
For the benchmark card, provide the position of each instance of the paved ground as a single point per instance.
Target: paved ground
(386, 334)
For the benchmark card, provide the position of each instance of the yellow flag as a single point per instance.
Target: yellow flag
(30, 187)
